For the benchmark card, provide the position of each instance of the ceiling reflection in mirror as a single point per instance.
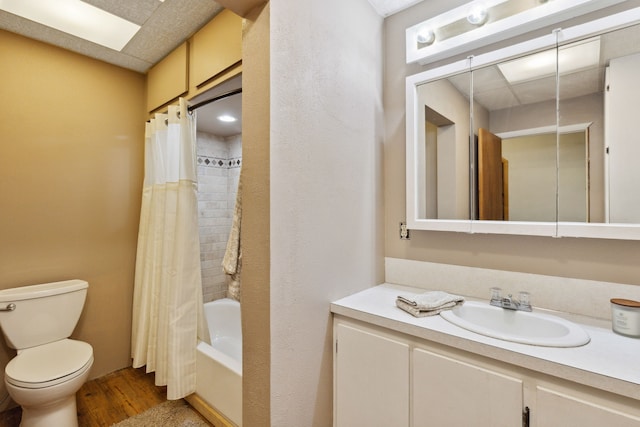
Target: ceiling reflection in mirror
(550, 138)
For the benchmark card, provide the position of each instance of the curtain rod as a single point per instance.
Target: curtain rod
(214, 99)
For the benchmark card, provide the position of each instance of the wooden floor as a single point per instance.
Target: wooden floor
(108, 400)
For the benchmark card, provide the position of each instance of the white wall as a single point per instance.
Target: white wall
(326, 184)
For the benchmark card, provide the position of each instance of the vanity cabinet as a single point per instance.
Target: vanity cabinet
(559, 406)
(386, 378)
(450, 392)
(371, 386)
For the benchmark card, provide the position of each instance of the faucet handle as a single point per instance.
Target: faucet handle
(524, 300)
(495, 294)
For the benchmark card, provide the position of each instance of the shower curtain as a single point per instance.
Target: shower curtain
(168, 316)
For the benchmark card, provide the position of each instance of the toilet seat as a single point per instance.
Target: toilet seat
(49, 364)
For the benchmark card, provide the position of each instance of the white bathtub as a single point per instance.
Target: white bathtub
(219, 365)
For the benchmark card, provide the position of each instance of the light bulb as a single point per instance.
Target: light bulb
(226, 118)
(425, 35)
(477, 15)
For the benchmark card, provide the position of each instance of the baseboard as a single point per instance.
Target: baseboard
(210, 413)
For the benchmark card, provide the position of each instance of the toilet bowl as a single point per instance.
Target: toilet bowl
(50, 367)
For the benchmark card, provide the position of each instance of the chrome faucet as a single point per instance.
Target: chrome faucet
(509, 302)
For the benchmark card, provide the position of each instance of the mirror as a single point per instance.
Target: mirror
(498, 145)
(515, 139)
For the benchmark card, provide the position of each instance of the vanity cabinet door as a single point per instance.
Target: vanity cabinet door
(449, 392)
(371, 379)
(560, 408)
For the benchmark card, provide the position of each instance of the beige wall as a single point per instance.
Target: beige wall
(256, 334)
(71, 164)
(606, 260)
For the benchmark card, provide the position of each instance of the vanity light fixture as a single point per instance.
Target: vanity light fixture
(448, 42)
(77, 18)
(227, 118)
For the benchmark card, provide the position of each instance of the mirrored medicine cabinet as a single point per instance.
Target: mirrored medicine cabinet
(538, 138)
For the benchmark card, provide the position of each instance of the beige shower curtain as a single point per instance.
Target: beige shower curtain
(167, 302)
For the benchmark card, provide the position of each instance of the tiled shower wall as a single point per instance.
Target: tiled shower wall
(218, 173)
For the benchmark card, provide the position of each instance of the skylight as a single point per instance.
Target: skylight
(77, 18)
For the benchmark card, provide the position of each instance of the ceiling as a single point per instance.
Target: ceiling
(389, 7)
(164, 26)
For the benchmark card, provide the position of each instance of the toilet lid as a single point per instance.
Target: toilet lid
(49, 362)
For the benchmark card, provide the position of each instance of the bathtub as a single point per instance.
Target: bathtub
(219, 365)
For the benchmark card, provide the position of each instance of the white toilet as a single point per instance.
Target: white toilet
(49, 368)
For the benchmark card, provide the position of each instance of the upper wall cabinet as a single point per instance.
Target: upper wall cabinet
(168, 79)
(537, 138)
(216, 47)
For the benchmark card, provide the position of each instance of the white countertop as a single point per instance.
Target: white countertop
(609, 361)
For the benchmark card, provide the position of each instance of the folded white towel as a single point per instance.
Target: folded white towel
(428, 303)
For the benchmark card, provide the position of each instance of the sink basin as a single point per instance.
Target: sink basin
(517, 326)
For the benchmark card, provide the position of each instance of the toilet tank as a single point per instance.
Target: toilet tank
(42, 314)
